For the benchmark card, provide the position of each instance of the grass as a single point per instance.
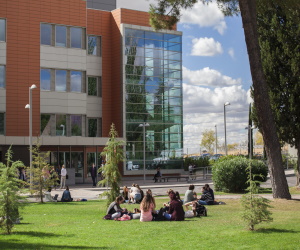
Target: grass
(79, 225)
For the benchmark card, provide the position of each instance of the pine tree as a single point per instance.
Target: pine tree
(255, 206)
(113, 153)
(10, 200)
(43, 176)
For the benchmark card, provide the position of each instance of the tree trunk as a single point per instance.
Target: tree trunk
(262, 102)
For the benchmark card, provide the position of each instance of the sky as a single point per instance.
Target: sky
(215, 71)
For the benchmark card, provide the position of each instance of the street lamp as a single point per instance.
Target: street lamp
(144, 125)
(30, 107)
(225, 104)
(63, 127)
(216, 139)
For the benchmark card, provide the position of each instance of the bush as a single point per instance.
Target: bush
(197, 161)
(230, 174)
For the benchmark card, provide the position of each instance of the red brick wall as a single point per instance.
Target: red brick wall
(99, 23)
(23, 54)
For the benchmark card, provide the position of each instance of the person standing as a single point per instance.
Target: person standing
(93, 171)
(63, 176)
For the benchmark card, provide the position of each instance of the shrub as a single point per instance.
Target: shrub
(197, 161)
(230, 175)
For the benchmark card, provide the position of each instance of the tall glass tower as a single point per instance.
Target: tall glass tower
(152, 80)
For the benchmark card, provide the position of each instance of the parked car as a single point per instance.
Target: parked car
(131, 166)
(216, 157)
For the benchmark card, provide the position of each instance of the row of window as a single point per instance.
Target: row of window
(64, 125)
(2, 123)
(153, 35)
(69, 37)
(2, 76)
(70, 125)
(69, 81)
(2, 30)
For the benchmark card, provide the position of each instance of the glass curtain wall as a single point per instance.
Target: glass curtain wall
(153, 94)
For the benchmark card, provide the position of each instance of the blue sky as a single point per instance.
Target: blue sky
(215, 70)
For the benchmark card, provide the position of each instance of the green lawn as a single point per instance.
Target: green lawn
(79, 225)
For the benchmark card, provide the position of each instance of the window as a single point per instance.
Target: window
(60, 80)
(61, 128)
(92, 86)
(2, 76)
(45, 124)
(76, 125)
(76, 35)
(61, 36)
(92, 127)
(46, 31)
(93, 45)
(2, 30)
(45, 79)
(76, 81)
(2, 122)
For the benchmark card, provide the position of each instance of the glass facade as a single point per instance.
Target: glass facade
(153, 94)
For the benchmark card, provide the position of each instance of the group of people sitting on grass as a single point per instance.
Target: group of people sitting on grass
(172, 210)
(134, 195)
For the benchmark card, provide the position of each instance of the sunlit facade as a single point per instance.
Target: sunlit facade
(153, 95)
(93, 65)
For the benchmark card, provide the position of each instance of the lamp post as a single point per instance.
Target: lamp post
(63, 127)
(30, 106)
(144, 125)
(225, 104)
(216, 139)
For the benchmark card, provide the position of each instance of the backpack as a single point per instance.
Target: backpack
(201, 210)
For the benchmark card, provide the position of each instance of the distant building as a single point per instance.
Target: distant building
(93, 65)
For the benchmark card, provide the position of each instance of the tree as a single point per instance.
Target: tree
(43, 175)
(258, 138)
(255, 206)
(279, 36)
(10, 200)
(208, 140)
(113, 153)
(247, 8)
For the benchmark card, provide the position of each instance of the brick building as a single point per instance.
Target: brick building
(93, 65)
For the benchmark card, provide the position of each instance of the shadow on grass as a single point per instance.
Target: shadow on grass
(275, 230)
(38, 234)
(262, 190)
(17, 244)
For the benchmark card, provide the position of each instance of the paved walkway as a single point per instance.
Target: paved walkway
(159, 189)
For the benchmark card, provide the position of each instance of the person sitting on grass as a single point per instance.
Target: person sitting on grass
(125, 194)
(208, 189)
(147, 207)
(205, 199)
(66, 196)
(176, 212)
(135, 194)
(189, 194)
(114, 208)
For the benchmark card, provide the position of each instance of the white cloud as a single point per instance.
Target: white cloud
(205, 15)
(205, 46)
(208, 77)
(231, 52)
(204, 108)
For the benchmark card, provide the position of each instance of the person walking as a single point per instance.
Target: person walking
(63, 176)
(93, 171)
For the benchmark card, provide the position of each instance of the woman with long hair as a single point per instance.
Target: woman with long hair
(147, 207)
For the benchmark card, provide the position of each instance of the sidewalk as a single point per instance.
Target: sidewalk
(160, 188)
